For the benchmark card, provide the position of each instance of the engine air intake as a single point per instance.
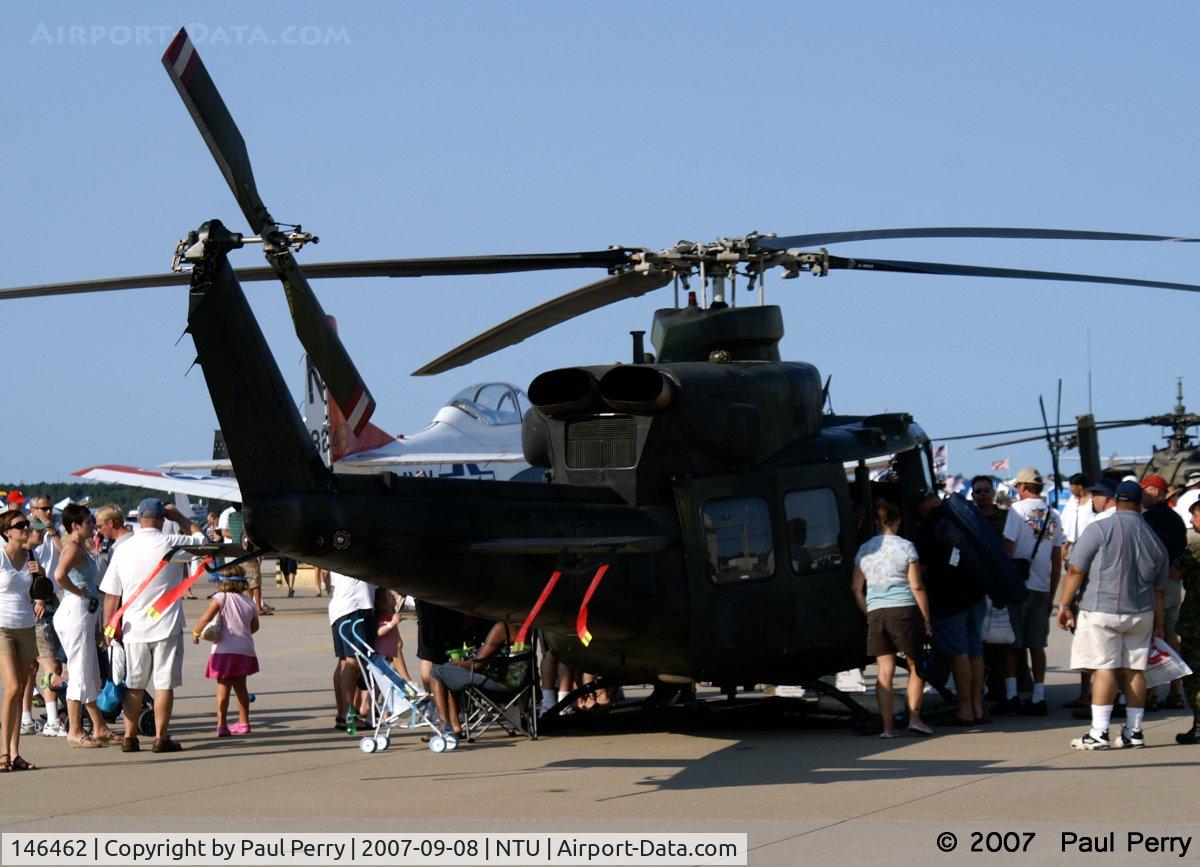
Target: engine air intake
(564, 391)
(605, 443)
(633, 388)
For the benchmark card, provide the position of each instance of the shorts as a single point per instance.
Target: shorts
(48, 645)
(962, 633)
(1105, 641)
(154, 664)
(1031, 621)
(19, 643)
(1172, 604)
(253, 570)
(456, 678)
(895, 630)
(358, 621)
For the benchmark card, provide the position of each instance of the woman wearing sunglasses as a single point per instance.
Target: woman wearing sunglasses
(75, 622)
(18, 646)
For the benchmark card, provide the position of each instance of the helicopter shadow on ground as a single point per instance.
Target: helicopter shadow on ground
(775, 747)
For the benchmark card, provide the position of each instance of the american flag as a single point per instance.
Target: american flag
(1001, 464)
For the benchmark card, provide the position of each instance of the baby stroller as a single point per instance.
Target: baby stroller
(112, 690)
(391, 697)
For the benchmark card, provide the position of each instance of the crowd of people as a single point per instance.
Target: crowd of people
(77, 601)
(1118, 568)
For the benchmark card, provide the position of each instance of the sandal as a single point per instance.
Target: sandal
(5, 764)
(110, 738)
(84, 743)
(19, 764)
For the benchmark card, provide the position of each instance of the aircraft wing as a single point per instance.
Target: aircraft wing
(209, 487)
(367, 460)
(192, 466)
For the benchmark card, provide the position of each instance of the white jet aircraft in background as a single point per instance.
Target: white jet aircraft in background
(476, 435)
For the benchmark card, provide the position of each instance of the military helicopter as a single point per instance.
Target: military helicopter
(1173, 461)
(701, 510)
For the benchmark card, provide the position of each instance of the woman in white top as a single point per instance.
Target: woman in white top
(18, 646)
(897, 611)
(75, 622)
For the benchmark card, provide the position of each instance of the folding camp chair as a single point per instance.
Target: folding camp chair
(513, 708)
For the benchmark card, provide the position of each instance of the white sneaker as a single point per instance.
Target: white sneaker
(1130, 740)
(1090, 742)
(54, 730)
(31, 728)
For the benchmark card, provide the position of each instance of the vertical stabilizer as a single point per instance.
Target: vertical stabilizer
(267, 442)
(341, 439)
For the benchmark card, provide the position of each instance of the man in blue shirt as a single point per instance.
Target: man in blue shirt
(1120, 610)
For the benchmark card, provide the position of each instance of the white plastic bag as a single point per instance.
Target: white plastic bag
(116, 660)
(997, 628)
(1164, 664)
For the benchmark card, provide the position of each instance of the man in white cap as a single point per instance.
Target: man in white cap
(1190, 494)
(1033, 537)
(153, 648)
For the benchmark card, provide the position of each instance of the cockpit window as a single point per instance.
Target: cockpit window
(493, 403)
(737, 533)
(813, 530)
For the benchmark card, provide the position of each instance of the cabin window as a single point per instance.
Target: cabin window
(738, 538)
(814, 527)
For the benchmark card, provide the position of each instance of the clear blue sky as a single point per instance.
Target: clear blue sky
(458, 128)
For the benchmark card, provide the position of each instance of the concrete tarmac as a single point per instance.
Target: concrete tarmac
(801, 792)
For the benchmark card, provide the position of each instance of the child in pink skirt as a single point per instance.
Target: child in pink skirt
(233, 658)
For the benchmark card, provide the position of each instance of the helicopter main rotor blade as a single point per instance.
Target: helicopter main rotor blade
(991, 433)
(896, 266)
(1103, 425)
(1033, 439)
(790, 242)
(109, 284)
(630, 284)
(449, 266)
(220, 132)
(435, 267)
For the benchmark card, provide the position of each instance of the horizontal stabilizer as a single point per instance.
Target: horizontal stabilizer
(432, 458)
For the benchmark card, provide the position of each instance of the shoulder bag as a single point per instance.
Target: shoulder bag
(1023, 565)
(212, 629)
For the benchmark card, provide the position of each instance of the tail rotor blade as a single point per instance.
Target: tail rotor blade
(219, 130)
(1058, 413)
(323, 345)
(216, 125)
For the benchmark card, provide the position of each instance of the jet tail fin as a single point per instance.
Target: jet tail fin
(338, 440)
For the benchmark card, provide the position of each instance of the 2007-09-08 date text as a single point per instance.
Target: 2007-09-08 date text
(426, 848)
